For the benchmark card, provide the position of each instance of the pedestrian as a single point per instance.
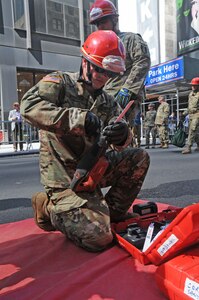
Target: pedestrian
(71, 110)
(136, 130)
(16, 126)
(186, 125)
(172, 125)
(161, 122)
(193, 112)
(150, 127)
(129, 85)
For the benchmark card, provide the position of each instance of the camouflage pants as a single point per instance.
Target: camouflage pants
(152, 130)
(193, 131)
(136, 131)
(85, 217)
(163, 134)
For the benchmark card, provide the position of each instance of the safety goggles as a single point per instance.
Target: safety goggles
(103, 71)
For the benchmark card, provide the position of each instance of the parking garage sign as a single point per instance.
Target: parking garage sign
(169, 71)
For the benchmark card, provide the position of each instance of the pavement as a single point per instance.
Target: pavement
(7, 149)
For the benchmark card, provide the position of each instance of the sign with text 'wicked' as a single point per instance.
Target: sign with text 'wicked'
(166, 72)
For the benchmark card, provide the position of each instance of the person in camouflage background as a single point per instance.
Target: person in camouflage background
(161, 122)
(71, 110)
(149, 124)
(130, 85)
(193, 112)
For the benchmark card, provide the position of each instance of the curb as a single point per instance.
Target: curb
(20, 153)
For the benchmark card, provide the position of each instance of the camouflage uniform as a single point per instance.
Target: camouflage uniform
(161, 121)
(193, 112)
(58, 105)
(137, 66)
(149, 124)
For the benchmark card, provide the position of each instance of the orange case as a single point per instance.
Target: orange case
(182, 232)
(179, 277)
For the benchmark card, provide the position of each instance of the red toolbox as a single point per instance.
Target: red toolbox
(178, 278)
(181, 232)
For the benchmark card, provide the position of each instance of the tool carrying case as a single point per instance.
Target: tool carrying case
(178, 278)
(174, 230)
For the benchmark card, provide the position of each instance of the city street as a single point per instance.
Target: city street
(172, 178)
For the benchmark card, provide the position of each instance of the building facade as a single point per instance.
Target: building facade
(37, 37)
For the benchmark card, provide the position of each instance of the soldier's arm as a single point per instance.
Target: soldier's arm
(140, 56)
(41, 107)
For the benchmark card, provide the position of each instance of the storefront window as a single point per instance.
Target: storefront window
(27, 79)
(19, 17)
(24, 83)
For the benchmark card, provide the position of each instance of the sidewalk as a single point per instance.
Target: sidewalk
(7, 149)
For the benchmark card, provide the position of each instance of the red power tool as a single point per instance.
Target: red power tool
(93, 165)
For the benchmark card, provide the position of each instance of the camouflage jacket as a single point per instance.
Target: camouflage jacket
(150, 118)
(137, 66)
(58, 105)
(162, 114)
(193, 104)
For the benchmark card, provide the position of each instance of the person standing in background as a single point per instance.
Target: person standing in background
(129, 85)
(149, 124)
(193, 112)
(136, 131)
(172, 124)
(161, 122)
(16, 126)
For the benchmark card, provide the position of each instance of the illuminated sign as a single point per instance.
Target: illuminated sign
(166, 72)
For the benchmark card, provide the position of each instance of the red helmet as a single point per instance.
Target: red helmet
(195, 81)
(104, 49)
(101, 9)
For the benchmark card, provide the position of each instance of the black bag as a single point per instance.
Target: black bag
(179, 138)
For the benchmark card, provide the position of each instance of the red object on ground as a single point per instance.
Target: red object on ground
(179, 277)
(40, 265)
(182, 232)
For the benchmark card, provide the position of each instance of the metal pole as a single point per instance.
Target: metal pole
(28, 27)
(177, 105)
(81, 20)
(2, 109)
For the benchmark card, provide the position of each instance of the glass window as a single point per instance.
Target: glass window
(40, 16)
(59, 17)
(19, 17)
(24, 83)
(72, 22)
(27, 79)
(55, 18)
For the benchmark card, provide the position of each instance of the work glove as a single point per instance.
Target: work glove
(116, 133)
(92, 124)
(123, 97)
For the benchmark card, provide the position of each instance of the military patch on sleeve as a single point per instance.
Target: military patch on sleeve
(51, 78)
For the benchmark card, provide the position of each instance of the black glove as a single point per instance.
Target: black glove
(116, 133)
(92, 124)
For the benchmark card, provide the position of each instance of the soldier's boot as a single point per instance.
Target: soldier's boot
(147, 147)
(41, 206)
(165, 146)
(187, 150)
(153, 146)
(161, 145)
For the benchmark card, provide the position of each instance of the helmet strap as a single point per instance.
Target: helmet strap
(81, 79)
